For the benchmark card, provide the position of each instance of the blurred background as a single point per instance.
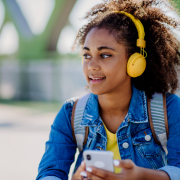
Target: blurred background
(38, 72)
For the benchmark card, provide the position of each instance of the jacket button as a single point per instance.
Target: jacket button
(147, 137)
(125, 145)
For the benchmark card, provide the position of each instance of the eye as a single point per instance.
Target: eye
(104, 56)
(86, 56)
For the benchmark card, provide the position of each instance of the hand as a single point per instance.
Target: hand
(77, 175)
(129, 171)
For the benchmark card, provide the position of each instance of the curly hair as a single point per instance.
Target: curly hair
(161, 74)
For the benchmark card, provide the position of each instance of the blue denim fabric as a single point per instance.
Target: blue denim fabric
(60, 149)
(51, 178)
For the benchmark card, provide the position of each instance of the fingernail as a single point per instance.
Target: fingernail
(82, 163)
(89, 169)
(83, 174)
(116, 162)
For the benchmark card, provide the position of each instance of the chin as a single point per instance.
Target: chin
(97, 92)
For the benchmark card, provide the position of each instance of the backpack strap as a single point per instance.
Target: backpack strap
(158, 121)
(80, 133)
(72, 119)
(165, 115)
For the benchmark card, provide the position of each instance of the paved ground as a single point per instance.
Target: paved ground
(23, 132)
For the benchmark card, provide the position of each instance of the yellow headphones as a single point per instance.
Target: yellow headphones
(136, 64)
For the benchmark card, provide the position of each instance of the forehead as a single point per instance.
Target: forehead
(100, 36)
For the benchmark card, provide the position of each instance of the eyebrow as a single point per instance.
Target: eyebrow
(86, 48)
(99, 48)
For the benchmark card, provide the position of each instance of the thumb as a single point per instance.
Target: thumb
(81, 168)
(124, 163)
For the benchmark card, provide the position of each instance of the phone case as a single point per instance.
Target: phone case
(99, 159)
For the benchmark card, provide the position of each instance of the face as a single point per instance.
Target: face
(104, 63)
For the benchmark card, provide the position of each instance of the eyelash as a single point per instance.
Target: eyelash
(85, 56)
(101, 55)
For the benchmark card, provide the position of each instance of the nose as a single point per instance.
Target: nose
(94, 65)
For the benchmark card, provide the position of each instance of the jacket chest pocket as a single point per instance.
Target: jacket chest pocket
(145, 146)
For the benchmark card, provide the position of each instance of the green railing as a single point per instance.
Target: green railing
(43, 45)
(38, 46)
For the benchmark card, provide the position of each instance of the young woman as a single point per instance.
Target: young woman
(116, 110)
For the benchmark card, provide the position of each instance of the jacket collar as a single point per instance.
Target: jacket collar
(137, 112)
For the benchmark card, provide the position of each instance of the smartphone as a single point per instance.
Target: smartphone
(99, 159)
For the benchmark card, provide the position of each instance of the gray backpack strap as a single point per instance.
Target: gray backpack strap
(158, 119)
(80, 132)
(72, 119)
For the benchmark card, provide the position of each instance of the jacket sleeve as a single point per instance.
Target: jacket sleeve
(51, 178)
(173, 143)
(60, 148)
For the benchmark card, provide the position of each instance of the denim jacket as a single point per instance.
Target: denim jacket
(61, 148)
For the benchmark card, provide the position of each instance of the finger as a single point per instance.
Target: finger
(93, 176)
(92, 171)
(124, 163)
(116, 163)
(80, 169)
(83, 174)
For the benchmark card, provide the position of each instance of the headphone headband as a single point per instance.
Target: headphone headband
(139, 26)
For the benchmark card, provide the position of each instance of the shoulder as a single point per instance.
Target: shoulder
(64, 115)
(172, 101)
(173, 108)
(67, 107)
(68, 104)
(66, 110)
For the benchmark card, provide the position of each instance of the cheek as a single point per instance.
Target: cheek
(123, 66)
(119, 68)
(85, 69)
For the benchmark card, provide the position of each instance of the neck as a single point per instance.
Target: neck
(116, 103)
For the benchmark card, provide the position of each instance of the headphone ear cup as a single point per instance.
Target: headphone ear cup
(136, 65)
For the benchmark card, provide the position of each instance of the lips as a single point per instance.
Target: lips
(95, 80)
